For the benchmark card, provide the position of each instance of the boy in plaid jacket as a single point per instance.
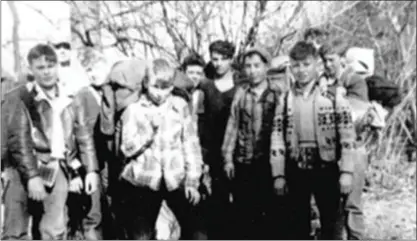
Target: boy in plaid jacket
(164, 158)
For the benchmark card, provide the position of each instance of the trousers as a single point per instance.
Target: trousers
(141, 208)
(351, 220)
(323, 183)
(49, 216)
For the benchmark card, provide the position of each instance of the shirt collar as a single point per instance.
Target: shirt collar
(41, 95)
(258, 93)
(305, 91)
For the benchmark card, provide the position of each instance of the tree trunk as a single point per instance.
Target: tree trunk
(16, 39)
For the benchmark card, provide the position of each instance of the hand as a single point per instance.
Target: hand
(76, 185)
(345, 183)
(229, 168)
(192, 195)
(36, 189)
(91, 182)
(280, 185)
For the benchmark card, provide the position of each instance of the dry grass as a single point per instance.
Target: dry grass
(390, 201)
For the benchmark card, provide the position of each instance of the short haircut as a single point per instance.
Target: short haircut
(42, 50)
(90, 57)
(222, 47)
(302, 50)
(193, 59)
(337, 46)
(161, 71)
(314, 32)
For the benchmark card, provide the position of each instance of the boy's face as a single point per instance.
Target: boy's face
(159, 90)
(221, 63)
(45, 72)
(332, 64)
(63, 51)
(255, 68)
(195, 73)
(305, 70)
(98, 72)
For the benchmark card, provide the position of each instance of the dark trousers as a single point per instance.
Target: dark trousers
(216, 209)
(141, 208)
(84, 213)
(323, 183)
(257, 211)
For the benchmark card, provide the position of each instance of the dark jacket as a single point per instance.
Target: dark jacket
(16, 143)
(78, 139)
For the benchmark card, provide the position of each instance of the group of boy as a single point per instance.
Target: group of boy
(234, 155)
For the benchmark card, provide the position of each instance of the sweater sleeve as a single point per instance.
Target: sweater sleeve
(277, 155)
(347, 134)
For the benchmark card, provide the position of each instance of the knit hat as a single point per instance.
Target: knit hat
(258, 50)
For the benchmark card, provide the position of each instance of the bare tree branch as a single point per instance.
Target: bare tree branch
(16, 38)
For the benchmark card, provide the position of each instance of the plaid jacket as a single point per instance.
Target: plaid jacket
(248, 132)
(171, 152)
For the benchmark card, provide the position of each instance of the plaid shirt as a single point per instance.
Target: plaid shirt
(171, 152)
(247, 128)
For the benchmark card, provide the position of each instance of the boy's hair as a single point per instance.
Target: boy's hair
(301, 50)
(193, 59)
(90, 57)
(222, 47)
(161, 71)
(314, 32)
(337, 46)
(42, 50)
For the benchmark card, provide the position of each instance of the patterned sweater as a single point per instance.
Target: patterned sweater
(335, 132)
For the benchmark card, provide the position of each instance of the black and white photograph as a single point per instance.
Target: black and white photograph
(208, 120)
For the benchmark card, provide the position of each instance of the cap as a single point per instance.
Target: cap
(259, 50)
(279, 63)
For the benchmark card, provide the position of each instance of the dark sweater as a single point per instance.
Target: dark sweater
(213, 122)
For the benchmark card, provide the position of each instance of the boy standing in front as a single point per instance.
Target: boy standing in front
(163, 156)
(319, 145)
(246, 149)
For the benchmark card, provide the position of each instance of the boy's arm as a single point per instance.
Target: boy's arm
(192, 150)
(83, 136)
(347, 134)
(230, 135)
(134, 138)
(278, 149)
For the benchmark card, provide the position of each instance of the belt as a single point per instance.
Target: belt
(309, 158)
